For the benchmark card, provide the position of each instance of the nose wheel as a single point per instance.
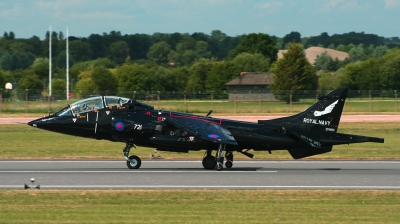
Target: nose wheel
(132, 162)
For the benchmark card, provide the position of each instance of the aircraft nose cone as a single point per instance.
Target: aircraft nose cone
(32, 123)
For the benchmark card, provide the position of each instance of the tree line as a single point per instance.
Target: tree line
(189, 62)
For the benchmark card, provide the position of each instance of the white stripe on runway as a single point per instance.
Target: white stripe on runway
(203, 187)
(134, 171)
(198, 161)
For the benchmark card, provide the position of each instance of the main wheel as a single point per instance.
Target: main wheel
(228, 164)
(209, 162)
(134, 162)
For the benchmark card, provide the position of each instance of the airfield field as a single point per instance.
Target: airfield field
(199, 206)
(20, 141)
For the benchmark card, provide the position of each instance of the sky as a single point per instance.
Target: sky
(27, 18)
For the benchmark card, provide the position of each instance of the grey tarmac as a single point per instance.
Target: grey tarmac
(179, 174)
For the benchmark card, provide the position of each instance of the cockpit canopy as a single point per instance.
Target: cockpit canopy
(92, 103)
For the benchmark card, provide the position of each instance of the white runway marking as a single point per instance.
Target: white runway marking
(133, 171)
(204, 187)
(199, 161)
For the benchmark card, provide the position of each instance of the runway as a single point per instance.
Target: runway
(171, 174)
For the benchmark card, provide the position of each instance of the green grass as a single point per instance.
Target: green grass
(23, 141)
(199, 206)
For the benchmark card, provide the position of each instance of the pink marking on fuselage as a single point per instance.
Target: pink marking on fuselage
(194, 117)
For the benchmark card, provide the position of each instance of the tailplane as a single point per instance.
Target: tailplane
(315, 129)
(324, 115)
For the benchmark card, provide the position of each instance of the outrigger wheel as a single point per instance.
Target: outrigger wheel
(134, 162)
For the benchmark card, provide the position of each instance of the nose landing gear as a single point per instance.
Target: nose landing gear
(132, 162)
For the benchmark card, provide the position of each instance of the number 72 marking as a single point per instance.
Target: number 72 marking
(137, 127)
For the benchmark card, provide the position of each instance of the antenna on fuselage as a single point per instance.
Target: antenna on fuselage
(209, 113)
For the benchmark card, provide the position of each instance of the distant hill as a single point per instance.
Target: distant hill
(313, 52)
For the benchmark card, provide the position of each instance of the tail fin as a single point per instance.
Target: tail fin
(324, 115)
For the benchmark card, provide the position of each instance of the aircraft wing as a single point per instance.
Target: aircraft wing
(204, 129)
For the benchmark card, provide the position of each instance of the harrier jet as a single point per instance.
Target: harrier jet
(311, 132)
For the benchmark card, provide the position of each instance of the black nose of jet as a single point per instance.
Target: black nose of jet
(32, 123)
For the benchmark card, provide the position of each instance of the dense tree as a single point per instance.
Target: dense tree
(158, 53)
(389, 72)
(21, 57)
(257, 43)
(80, 51)
(198, 74)
(292, 37)
(329, 81)
(36, 45)
(139, 45)
(59, 87)
(104, 80)
(221, 72)
(85, 86)
(322, 39)
(379, 51)
(15, 61)
(118, 51)
(6, 60)
(98, 45)
(347, 38)
(112, 37)
(350, 76)
(11, 36)
(132, 77)
(5, 35)
(356, 53)
(246, 62)
(41, 68)
(181, 76)
(364, 75)
(322, 61)
(2, 79)
(20, 48)
(30, 81)
(174, 39)
(160, 79)
(293, 72)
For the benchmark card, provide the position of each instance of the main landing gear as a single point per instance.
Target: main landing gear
(133, 162)
(210, 162)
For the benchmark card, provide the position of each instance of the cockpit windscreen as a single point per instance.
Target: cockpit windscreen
(90, 104)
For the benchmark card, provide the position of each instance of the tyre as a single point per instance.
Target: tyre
(209, 162)
(134, 162)
(228, 164)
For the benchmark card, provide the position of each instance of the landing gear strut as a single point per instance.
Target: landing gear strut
(220, 159)
(133, 162)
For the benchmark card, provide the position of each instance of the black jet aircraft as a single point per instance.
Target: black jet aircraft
(311, 132)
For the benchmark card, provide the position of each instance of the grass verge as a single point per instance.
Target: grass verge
(23, 141)
(199, 206)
